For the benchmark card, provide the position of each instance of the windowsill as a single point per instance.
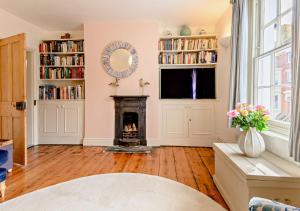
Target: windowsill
(278, 144)
(276, 135)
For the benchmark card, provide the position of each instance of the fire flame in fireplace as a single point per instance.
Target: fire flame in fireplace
(130, 127)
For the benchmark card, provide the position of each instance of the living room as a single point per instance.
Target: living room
(149, 105)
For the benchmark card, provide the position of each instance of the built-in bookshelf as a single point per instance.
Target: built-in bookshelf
(62, 69)
(197, 50)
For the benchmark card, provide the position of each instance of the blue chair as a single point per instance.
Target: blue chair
(261, 204)
(3, 171)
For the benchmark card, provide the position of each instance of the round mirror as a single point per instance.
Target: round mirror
(119, 59)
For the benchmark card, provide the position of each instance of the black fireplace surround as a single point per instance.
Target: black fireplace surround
(130, 120)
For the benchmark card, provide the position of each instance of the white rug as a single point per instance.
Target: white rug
(124, 191)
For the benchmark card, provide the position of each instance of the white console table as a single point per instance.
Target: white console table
(239, 178)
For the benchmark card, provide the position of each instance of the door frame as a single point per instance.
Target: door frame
(33, 84)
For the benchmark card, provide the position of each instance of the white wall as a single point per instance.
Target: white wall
(12, 25)
(223, 32)
(99, 106)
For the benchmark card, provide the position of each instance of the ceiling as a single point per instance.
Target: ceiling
(71, 14)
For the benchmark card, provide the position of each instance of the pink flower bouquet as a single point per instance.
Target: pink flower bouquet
(246, 116)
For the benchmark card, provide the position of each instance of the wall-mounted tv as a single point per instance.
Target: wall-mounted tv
(189, 83)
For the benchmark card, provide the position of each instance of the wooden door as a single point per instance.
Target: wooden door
(13, 95)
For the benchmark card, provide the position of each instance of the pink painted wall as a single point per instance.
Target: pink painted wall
(99, 107)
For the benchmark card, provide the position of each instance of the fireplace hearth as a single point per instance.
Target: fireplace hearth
(130, 120)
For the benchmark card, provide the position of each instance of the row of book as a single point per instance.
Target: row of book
(202, 57)
(61, 73)
(52, 92)
(55, 60)
(187, 44)
(61, 46)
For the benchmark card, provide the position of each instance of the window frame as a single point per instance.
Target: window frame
(276, 126)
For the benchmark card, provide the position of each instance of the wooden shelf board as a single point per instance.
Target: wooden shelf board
(70, 39)
(180, 51)
(179, 65)
(60, 53)
(64, 79)
(61, 100)
(189, 37)
(62, 66)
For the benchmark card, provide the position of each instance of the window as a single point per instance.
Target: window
(272, 69)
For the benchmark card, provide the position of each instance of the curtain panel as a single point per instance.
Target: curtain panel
(295, 116)
(241, 45)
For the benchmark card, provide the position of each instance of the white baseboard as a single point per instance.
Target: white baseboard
(153, 142)
(98, 142)
(109, 142)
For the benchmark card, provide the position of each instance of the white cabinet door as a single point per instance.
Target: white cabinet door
(71, 119)
(190, 124)
(175, 121)
(60, 122)
(201, 122)
(48, 120)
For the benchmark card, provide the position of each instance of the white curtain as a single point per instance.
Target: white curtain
(241, 38)
(295, 119)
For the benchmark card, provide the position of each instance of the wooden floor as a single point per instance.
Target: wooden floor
(48, 165)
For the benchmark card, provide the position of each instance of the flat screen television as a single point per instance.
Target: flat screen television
(189, 83)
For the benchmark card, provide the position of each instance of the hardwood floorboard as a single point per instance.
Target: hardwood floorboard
(49, 165)
(209, 163)
(183, 171)
(167, 163)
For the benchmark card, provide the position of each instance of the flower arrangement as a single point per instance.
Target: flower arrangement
(246, 116)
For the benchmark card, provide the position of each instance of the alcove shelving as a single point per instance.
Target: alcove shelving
(61, 75)
(195, 50)
(61, 91)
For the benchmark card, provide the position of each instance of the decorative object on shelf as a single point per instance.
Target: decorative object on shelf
(115, 83)
(143, 83)
(185, 30)
(168, 33)
(119, 59)
(251, 120)
(66, 36)
(202, 32)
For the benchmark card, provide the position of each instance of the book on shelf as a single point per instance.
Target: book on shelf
(52, 92)
(186, 44)
(54, 60)
(61, 73)
(60, 46)
(201, 57)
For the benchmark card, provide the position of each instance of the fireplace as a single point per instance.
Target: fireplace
(130, 120)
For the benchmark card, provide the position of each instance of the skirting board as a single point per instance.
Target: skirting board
(109, 142)
(223, 193)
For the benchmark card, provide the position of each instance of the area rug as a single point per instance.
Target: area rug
(119, 191)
